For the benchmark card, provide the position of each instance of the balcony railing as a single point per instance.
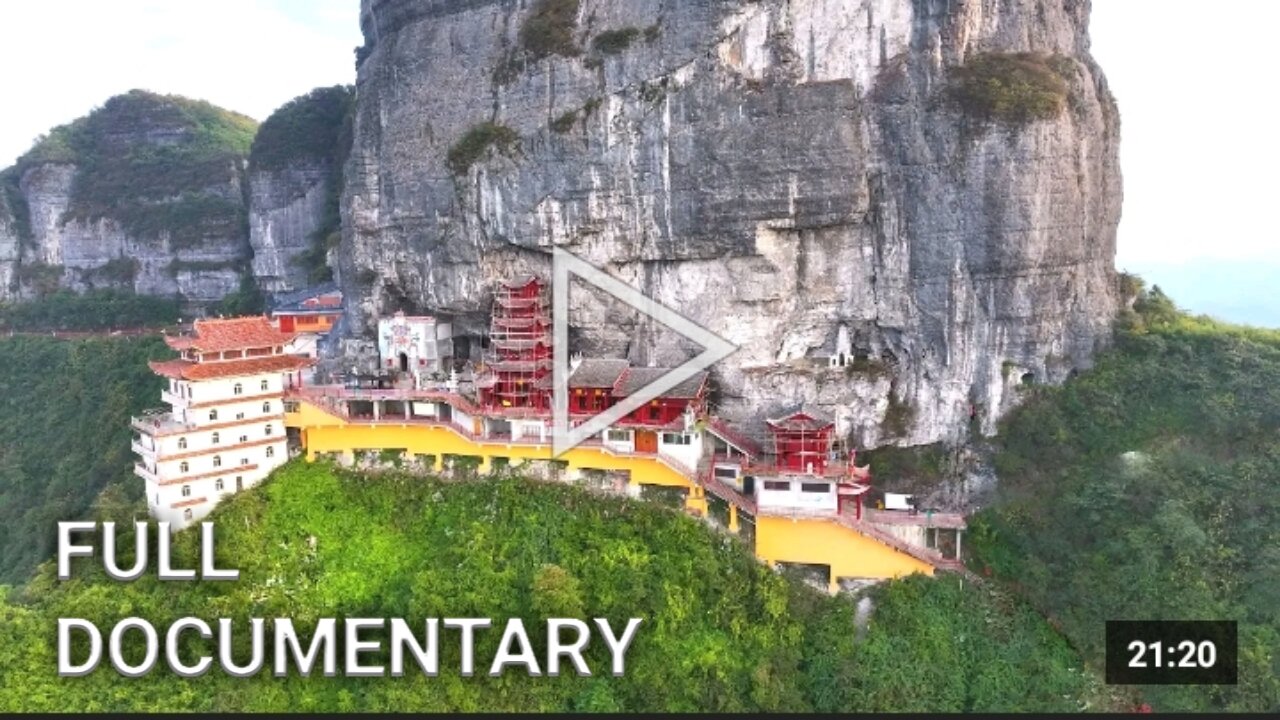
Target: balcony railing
(159, 422)
(145, 473)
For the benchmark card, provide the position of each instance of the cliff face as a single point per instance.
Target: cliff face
(144, 193)
(295, 177)
(287, 208)
(776, 169)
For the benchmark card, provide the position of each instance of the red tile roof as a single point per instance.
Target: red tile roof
(799, 421)
(231, 334)
(187, 370)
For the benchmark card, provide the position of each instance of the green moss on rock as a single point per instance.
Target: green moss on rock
(1011, 87)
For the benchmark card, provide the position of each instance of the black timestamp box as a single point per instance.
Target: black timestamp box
(1171, 652)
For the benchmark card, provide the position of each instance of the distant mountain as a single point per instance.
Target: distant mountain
(1245, 291)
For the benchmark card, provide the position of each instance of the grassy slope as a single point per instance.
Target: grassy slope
(64, 435)
(1149, 488)
(720, 632)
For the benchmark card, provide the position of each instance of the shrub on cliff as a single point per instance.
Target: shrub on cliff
(548, 29)
(476, 142)
(1011, 87)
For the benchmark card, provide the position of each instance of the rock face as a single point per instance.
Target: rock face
(145, 193)
(775, 169)
(286, 209)
(100, 252)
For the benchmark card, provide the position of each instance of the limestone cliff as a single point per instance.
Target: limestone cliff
(144, 193)
(777, 169)
(295, 174)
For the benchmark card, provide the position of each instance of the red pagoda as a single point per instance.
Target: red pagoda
(519, 355)
(802, 443)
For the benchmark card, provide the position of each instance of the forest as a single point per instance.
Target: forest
(1149, 488)
(720, 632)
(64, 435)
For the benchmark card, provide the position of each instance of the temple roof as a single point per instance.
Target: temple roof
(799, 421)
(187, 370)
(326, 298)
(239, 333)
(597, 373)
(636, 378)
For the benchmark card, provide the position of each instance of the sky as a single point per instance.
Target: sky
(1199, 151)
(62, 58)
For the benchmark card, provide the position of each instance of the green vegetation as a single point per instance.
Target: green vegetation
(612, 42)
(116, 271)
(898, 469)
(1147, 488)
(247, 300)
(565, 122)
(140, 151)
(94, 310)
(548, 29)
(1013, 87)
(476, 142)
(898, 416)
(64, 436)
(311, 127)
(720, 631)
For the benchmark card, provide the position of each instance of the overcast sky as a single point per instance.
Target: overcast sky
(1196, 91)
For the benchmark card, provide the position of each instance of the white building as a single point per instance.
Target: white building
(419, 345)
(224, 429)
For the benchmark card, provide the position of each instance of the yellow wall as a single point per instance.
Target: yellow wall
(821, 542)
(778, 539)
(324, 432)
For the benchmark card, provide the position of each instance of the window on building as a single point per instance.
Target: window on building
(217, 437)
(217, 484)
(217, 461)
(271, 452)
(675, 439)
(238, 389)
(268, 429)
(244, 438)
(239, 416)
(186, 491)
(186, 514)
(726, 473)
(266, 407)
(291, 406)
(264, 385)
(815, 487)
(239, 483)
(655, 412)
(183, 467)
(182, 443)
(778, 485)
(244, 461)
(213, 415)
(618, 435)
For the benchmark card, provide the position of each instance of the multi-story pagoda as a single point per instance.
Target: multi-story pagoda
(224, 429)
(520, 355)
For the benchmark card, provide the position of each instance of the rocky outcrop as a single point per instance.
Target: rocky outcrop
(145, 193)
(776, 169)
(10, 246)
(287, 209)
(100, 252)
(295, 178)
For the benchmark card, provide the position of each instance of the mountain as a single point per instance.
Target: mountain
(940, 178)
(166, 196)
